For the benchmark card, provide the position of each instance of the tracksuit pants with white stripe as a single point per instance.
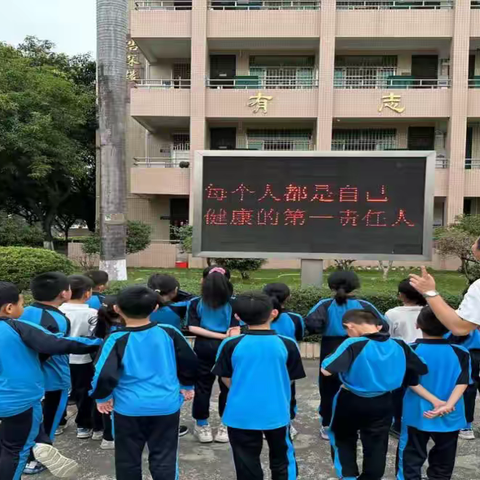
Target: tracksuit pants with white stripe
(372, 418)
(160, 433)
(247, 448)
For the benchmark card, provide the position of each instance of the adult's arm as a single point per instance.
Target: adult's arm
(460, 322)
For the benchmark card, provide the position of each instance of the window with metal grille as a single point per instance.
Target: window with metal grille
(276, 71)
(280, 139)
(181, 141)
(364, 139)
(358, 71)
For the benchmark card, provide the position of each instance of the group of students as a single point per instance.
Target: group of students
(145, 370)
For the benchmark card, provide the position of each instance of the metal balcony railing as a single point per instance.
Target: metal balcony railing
(164, 5)
(442, 163)
(164, 83)
(168, 158)
(474, 82)
(475, 4)
(394, 5)
(253, 83)
(280, 145)
(472, 163)
(355, 82)
(264, 4)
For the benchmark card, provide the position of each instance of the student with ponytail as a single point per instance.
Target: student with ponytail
(325, 318)
(209, 318)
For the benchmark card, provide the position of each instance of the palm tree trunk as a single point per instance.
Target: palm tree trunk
(112, 25)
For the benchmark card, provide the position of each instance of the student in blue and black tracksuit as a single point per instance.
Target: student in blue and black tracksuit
(448, 376)
(22, 389)
(472, 343)
(170, 311)
(325, 318)
(288, 324)
(259, 367)
(100, 284)
(142, 374)
(50, 291)
(370, 365)
(209, 318)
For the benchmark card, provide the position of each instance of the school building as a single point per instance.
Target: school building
(298, 75)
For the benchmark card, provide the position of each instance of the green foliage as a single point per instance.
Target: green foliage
(47, 134)
(242, 265)
(15, 231)
(138, 239)
(138, 236)
(184, 235)
(20, 264)
(457, 239)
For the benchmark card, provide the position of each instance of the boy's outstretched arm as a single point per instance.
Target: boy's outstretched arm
(108, 367)
(187, 362)
(47, 343)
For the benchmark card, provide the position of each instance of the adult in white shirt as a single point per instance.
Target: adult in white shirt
(81, 366)
(462, 321)
(403, 320)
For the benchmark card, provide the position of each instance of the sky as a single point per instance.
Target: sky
(70, 24)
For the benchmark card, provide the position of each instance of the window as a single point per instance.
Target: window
(364, 139)
(280, 140)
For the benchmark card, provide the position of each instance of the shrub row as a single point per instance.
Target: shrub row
(20, 264)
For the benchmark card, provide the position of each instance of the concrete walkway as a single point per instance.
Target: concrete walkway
(213, 462)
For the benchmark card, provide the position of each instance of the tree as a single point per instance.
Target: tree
(15, 231)
(47, 140)
(112, 25)
(344, 264)
(243, 265)
(138, 239)
(456, 240)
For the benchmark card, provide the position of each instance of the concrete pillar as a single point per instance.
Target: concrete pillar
(326, 74)
(457, 126)
(198, 86)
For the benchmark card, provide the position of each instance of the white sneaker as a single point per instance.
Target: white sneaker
(293, 431)
(203, 433)
(107, 445)
(50, 457)
(467, 434)
(60, 430)
(324, 433)
(97, 436)
(222, 434)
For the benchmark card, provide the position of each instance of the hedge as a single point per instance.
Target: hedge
(20, 264)
(303, 299)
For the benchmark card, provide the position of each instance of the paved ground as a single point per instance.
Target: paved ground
(213, 462)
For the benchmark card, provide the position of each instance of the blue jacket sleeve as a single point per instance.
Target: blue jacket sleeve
(108, 367)
(45, 342)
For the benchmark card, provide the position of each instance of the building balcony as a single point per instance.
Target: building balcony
(272, 82)
(472, 178)
(166, 175)
(474, 102)
(169, 20)
(394, 19)
(295, 19)
(392, 103)
(262, 103)
(162, 98)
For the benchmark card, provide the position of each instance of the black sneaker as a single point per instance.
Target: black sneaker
(182, 430)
